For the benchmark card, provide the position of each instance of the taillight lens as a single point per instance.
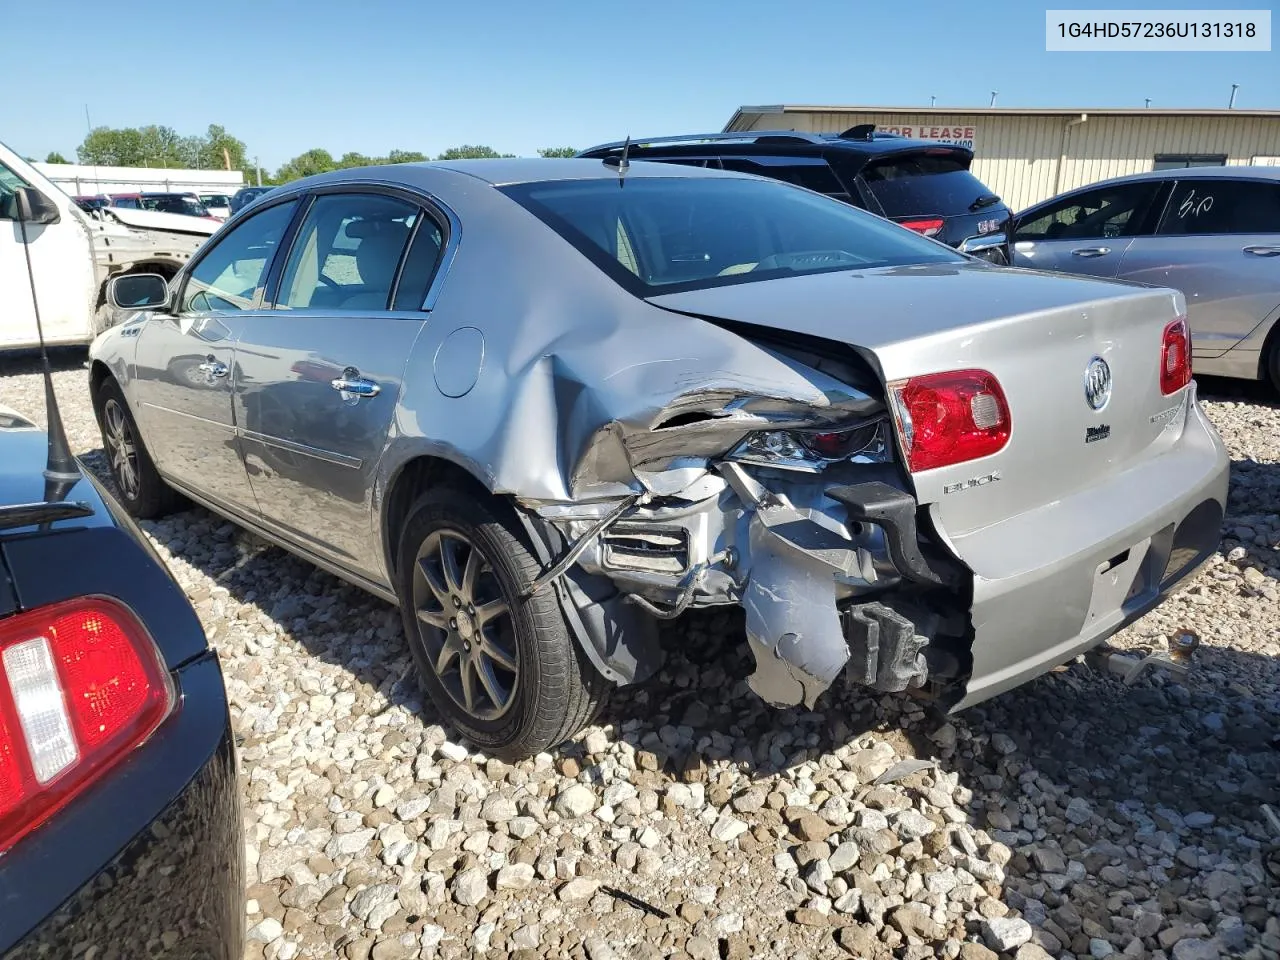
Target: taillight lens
(81, 684)
(1175, 357)
(925, 226)
(946, 418)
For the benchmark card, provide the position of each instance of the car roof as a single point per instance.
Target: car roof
(1236, 172)
(793, 141)
(505, 171)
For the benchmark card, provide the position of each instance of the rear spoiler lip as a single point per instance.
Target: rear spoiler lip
(30, 514)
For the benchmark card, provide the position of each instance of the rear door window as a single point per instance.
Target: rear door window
(915, 184)
(1201, 207)
(347, 252)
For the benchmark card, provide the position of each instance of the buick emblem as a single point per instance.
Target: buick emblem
(1097, 383)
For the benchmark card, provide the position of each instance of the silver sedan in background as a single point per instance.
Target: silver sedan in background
(1211, 232)
(543, 404)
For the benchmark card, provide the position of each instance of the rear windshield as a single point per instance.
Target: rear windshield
(660, 235)
(919, 184)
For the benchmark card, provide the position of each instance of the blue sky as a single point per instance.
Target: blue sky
(372, 75)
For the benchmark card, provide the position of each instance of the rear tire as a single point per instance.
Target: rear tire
(505, 672)
(139, 485)
(1272, 362)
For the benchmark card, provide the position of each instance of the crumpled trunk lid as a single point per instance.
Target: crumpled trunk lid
(1036, 332)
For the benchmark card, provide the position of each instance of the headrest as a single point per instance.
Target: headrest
(362, 229)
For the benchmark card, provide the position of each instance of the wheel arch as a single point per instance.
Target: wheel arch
(1269, 355)
(623, 646)
(99, 373)
(415, 475)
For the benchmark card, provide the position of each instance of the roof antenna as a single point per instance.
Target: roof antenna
(621, 162)
(61, 472)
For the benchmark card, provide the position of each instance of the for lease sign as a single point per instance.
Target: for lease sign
(942, 131)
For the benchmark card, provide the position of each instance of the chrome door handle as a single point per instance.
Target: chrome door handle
(212, 368)
(1263, 251)
(352, 386)
(1090, 251)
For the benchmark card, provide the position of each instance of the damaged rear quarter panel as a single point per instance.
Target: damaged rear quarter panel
(587, 394)
(576, 371)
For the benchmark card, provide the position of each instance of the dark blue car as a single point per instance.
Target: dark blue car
(119, 818)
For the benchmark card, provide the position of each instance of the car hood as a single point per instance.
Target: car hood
(877, 309)
(170, 222)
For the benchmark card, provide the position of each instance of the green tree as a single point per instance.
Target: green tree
(406, 156)
(55, 157)
(557, 152)
(469, 152)
(306, 165)
(165, 147)
(353, 159)
(160, 146)
(211, 147)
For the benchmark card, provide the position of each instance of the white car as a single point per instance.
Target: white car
(218, 204)
(74, 254)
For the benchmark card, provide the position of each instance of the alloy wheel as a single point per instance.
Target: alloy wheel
(465, 623)
(122, 449)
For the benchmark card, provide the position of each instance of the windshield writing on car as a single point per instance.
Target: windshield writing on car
(665, 234)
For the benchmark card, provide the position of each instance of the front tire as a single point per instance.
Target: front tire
(139, 485)
(503, 671)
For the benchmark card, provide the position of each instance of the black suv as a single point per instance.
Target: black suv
(922, 184)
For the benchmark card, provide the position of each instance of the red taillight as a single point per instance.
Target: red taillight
(946, 418)
(1175, 357)
(81, 684)
(926, 227)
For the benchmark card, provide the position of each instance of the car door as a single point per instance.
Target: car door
(1084, 232)
(61, 265)
(185, 360)
(1218, 242)
(319, 376)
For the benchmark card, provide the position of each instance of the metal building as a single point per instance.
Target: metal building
(89, 179)
(1029, 155)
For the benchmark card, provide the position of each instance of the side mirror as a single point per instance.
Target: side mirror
(138, 291)
(30, 205)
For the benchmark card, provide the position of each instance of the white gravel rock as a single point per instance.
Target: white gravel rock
(470, 887)
(727, 829)
(1005, 933)
(266, 930)
(515, 876)
(575, 801)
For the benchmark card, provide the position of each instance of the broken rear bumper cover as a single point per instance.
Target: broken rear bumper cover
(1053, 583)
(835, 576)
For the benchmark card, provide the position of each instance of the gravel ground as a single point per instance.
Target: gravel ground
(1073, 817)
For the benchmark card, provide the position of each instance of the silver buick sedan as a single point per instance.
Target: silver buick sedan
(543, 404)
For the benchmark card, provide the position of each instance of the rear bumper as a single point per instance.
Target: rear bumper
(149, 862)
(1073, 573)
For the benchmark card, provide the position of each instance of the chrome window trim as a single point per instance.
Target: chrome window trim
(429, 201)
